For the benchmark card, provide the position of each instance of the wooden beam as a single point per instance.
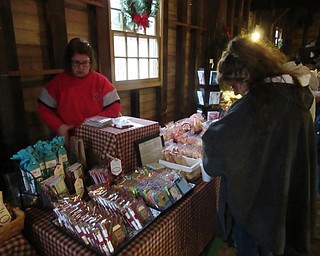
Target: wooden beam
(103, 40)
(57, 31)
(187, 25)
(181, 37)
(267, 5)
(95, 3)
(194, 38)
(162, 92)
(33, 72)
(13, 135)
(93, 30)
(135, 103)
(211, 18)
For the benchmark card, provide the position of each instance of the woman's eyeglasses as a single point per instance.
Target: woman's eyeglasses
(84, 64)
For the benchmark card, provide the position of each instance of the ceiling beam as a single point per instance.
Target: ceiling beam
(261, 5)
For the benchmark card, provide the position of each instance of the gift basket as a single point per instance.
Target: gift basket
(46, 174)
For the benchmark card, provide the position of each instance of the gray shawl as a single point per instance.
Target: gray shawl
(268, 178)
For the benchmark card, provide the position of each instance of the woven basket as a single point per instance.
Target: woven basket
(14, 227)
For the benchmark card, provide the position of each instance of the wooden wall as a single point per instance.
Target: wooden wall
(34, 34)
(43, 28)
(300, 24)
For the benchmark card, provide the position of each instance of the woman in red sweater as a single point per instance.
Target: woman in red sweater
(77, 93)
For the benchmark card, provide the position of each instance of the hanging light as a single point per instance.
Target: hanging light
(255, 36)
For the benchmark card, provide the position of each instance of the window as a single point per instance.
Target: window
(135, 49)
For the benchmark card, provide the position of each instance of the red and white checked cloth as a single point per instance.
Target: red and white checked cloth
(118, 143)
(183, 230)
(17, 246)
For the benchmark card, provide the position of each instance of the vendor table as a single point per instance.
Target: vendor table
(17, 245)
(184, 229)
(116, 142)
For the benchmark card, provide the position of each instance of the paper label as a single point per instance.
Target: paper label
(60, 186)
(116, 167)
(77, 172)
(58, 171)
(42, 166)
(36, 173)
(143, 212)
(117, 231)
(63, 158)
(51, 164)
(78, 186)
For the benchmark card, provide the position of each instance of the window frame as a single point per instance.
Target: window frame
(137, 83)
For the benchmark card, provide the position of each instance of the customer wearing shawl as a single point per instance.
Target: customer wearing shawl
(265, 153)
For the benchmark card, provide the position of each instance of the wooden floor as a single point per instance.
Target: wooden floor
(218, 248)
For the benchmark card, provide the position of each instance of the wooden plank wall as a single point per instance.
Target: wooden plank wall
(32, 48)
(300, 26)
(36, 32)
(30, 19)
(42, 31)
(187, 33)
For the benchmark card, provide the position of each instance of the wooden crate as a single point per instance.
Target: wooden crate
(14, 227)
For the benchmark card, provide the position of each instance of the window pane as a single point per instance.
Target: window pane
(151, 30)
(120, 66)
(116, 20)
(143, 68)
(143, 47)
(132, 69)
(153, 48)
(119, 46)
(115, 4)
(140, 31)
(128, 26)
(154, 69)
(136, 54)
(132, 44)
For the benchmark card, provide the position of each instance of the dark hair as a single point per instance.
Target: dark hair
(242, 56)
(245, 60)
(78, 46)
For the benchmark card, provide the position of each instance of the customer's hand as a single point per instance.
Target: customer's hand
(64, 131)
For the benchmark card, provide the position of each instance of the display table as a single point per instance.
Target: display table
(116, 142)
(184, 229)
(17, 245)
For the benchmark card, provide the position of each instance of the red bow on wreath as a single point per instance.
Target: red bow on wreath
(141, 20)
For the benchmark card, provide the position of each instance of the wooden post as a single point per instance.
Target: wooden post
(180, 60)
(161, 106)
(13, 132)
(57, 31)
(194, 50)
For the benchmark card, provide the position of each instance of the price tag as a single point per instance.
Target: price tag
(116, 167)
(79, 187)
(58, 171)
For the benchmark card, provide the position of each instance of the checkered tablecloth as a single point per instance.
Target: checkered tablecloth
(17, 246)
(48, 239)
(183, 230)
(118, 143)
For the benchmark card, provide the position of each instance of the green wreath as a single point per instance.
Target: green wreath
(137, 12)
